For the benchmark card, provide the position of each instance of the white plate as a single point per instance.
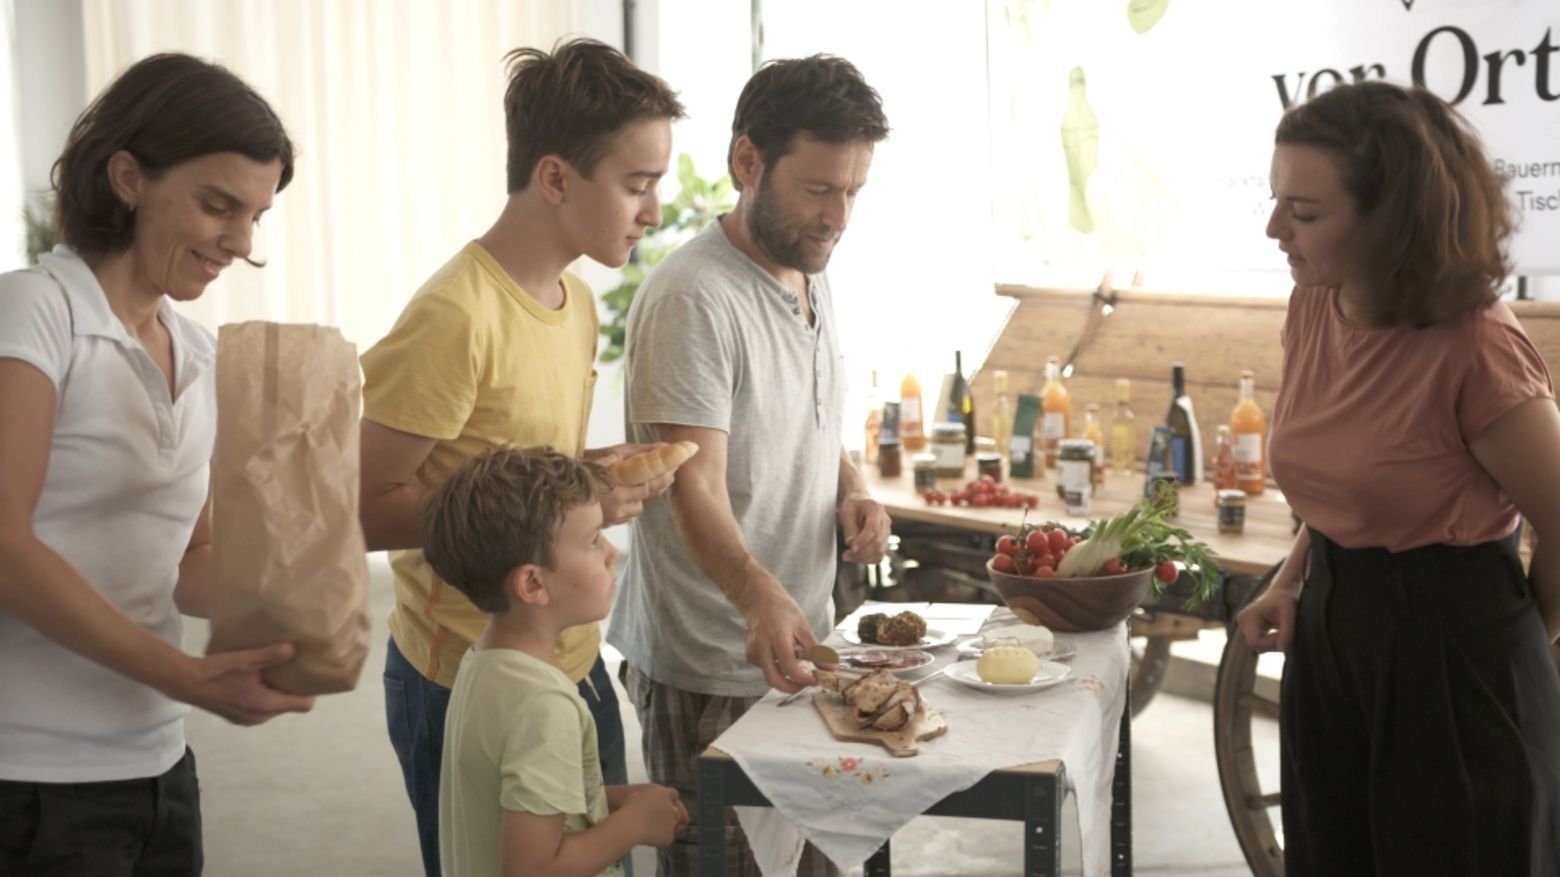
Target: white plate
(1048, 675)
(892, 660)
(934, 639)
(1060, 651)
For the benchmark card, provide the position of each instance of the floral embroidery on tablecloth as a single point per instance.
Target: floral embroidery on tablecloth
(1091, 684)
(848, 767)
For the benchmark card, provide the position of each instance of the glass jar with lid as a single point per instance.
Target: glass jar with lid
(1232, 511)
(948, 446)
(1075, 462)
(925, 468)
(889, 461)
(989, 463)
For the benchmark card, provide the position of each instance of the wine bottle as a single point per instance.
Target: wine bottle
(961, 403)
(969, 424)
(1185, 443)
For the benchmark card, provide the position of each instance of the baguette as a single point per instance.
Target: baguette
(653, 463)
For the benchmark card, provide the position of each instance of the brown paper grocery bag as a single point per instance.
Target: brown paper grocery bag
(289, 552)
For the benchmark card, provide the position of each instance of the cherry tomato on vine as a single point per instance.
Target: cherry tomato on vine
(1036, 542)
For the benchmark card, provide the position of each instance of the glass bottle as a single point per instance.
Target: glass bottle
(1185, 442)
(912, 426)
(1223, 460)
(1055, 411)
(1001, 414)
(1093, 432)
(961, 404)
(1249, 426)
(1123, 432)
(874, 423)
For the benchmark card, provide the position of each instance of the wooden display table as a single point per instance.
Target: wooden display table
(1267, 538)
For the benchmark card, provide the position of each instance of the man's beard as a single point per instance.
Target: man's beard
(778, 235)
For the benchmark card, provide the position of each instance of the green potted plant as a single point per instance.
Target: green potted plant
(37, 215)
(697, 204)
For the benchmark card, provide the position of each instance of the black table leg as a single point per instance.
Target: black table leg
(1121, 798)
(712, 819)
(1042, 825)
(878, 865)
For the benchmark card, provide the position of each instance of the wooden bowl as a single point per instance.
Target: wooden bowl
(1073, 605)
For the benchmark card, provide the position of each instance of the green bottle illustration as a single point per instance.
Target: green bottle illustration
(1144, 14)
(1081, 145)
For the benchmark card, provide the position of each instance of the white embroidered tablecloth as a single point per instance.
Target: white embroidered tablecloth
(848, 798)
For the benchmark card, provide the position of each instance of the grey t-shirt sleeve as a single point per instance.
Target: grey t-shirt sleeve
(682, 363)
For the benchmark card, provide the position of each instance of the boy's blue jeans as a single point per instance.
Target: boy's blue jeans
(415, 708)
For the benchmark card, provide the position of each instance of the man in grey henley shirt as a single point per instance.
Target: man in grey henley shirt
(732, 345)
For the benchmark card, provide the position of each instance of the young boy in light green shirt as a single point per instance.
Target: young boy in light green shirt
(519, 533)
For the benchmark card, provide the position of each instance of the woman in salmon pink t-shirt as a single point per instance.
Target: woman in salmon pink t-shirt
(1415, 423)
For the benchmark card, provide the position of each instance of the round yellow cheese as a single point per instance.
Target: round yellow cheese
(1007, 665)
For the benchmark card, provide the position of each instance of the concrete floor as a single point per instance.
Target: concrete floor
(321, 793)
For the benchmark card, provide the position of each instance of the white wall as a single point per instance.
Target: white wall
(51, 82)
(912, 275)
(43, 90)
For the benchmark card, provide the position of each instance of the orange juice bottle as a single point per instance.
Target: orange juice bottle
(912, 424)
(1055, 411)
(1250, 429)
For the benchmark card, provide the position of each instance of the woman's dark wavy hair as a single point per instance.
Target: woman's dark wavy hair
(823, 96)
(164, 110)
(1438, 218)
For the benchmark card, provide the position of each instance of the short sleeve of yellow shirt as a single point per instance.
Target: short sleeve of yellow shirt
(476, 362)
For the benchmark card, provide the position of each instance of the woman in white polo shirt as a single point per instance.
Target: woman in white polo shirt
(107, 422)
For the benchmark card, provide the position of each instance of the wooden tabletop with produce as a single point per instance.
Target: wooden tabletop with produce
(1266, 538)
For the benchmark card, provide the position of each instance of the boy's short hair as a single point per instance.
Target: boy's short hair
(572, 102)
(822, 96)
(501, 509)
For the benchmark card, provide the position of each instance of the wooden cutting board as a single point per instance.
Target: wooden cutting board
(902, 743)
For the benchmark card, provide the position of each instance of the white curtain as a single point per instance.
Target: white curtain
(12, 197)
(396, 111)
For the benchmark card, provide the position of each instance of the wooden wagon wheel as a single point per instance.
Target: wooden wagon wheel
(1253, 812)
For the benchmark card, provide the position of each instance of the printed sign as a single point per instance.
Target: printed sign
(1140, 132)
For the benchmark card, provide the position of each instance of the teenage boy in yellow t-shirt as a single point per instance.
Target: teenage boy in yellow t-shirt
(497, 348)
(521, 791)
